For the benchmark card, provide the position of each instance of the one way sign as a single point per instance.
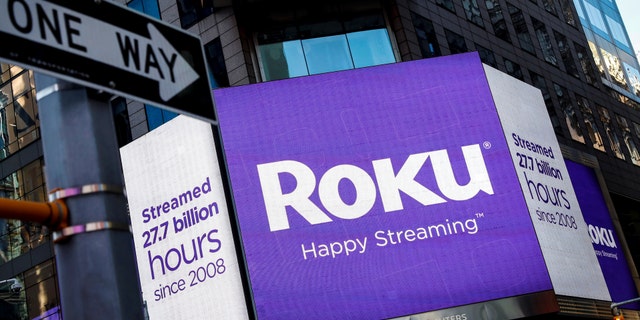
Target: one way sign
(109, 47)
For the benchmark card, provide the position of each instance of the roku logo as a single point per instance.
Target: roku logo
(389, 185)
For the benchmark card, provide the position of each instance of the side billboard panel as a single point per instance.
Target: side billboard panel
(547, 189)
(183, 240)
(377, 193)
(604, 237)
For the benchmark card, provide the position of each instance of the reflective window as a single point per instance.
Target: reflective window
(567, 12)
(614, 68)
(595, 17)
(578, 4)
(5, 75)
(19, 120)
(545, 42)
(520, 26)
(513, 69)
(324, 47)
(636, 130)
(327, 54)
(456, 42)
(628, 140)
(549, 6)
(192, 11)
(634, 78)
(614, 141)
(585, 63)
(18, 237)
(370, 48)
(486, 56)
(570, 112)
(566, 55)
(617, 32)
(215, 61)
(472, 11)
(497, 20)
(37, 298)
(447, 4)
(427, 39)
(590, 123)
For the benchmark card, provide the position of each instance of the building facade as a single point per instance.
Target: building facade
(576, 52)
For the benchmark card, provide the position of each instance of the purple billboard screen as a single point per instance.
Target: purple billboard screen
(377, 192)
(603, 235)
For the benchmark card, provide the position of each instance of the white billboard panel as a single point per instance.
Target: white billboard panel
(184, 245)
(546, 186)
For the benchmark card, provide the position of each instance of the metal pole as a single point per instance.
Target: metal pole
(617, 304)
(52, 214)
(95, 261)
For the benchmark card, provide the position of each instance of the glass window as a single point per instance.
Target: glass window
(447, 4)
(520, 26)
(497, 20)
(628, 140)
(41, 289)
(614, 68)
(513, 69)
(18, 237)
(327, 54)
(149, 7)
(605, 118)
(545, 42)
(215, 61)
(595, 17)
(472, 11)
(283, 60)
(549, 6)
(590, 123)
(5, 75)
(570, 113)
(578, 4)
(157, 117)
(324, 47)
(617, 32)
(585, 64)
(486, 56)
(636, 129)
(567, 12)
(426, 34)
(634, 78)
(566, 55)
(456, 42)
(18, 113)
(370, 48)
(192, 11)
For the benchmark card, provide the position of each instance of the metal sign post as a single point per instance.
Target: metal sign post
(94, 255)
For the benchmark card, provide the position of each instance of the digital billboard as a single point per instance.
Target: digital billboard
(180, 221)
(602, 232)
(546, 186)
(377, 192)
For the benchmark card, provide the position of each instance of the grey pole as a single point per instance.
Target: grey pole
(95, 261)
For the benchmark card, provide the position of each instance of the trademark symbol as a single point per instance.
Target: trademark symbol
(480, 215)
(486, 145)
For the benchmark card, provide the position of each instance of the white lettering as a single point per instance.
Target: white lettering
(389, 184)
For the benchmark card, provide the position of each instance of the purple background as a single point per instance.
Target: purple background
(594, 209)
(354, 117)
